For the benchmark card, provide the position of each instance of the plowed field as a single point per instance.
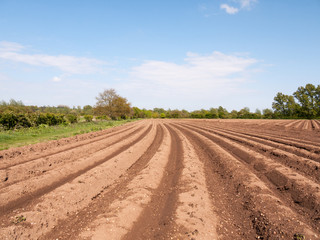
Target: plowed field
(167, 179)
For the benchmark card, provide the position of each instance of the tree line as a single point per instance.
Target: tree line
(304, 103)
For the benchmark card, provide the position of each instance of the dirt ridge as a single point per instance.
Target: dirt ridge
(167, 179)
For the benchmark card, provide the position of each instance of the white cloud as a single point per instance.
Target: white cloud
(210, 67)
(68, 64)
(243, 4)
(56, 79)
(246, 3)
(229, 9)
(200, 80)
(10, 46)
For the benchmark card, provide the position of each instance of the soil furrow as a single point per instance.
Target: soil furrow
(28, 198)
(157, 218)
(306, 125)
(70, 198)
(26, 171)
(195, 216)
(299, 124)
(279, 179)
(315, 126)
(70, 227)
(167, 179)
(268, 214)
(291, 146)
(234, 220)
(308, 168)
(292, 123)
(77, 145)
(310, 141)
(298, 143)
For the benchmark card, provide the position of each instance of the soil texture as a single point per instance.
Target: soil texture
(167, 179)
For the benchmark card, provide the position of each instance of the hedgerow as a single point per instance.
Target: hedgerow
(11, 120)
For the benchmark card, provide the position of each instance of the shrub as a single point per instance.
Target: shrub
(49, 119)
(103, 117)
(88, 118)
(23, 121)
(8, 120)
(11, 120)
(72, 118)
(54, 119)
(40, 119)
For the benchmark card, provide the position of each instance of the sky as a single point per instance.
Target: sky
(175, 54)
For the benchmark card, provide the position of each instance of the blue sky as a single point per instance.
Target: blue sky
(173, 54)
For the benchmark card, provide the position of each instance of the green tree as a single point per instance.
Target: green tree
(87, 110)
(159, 110)
(138, 113)
(196, 114)
(175, 114)
(214, 112)
(244, 113)
(307, 97)
(257, 114)
(317, 98)
(63, 109)
(223, 113)
(233, 114)
(267, 113)
(184, 114)
(284, 105)
(279, 104)
(147, 113)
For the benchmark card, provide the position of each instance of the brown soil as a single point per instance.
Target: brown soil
(167, 179)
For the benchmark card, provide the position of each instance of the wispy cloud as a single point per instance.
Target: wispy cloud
(247, 3)
(199, 77)
(210, 67)
(242, 4)
(69, 64)
(229, 9)
(10, 46)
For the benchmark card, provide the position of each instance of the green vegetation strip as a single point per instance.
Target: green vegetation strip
(26, 136)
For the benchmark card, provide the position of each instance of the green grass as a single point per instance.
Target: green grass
(26, 136)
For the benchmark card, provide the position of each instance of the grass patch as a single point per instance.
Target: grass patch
(26, 136)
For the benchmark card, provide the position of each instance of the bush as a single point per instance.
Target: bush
(55, 119)
(50, 119)
(103, 117)
(23, 121)
(8, 120)
(40, 119)
(88, 118)
(11, 120)
(72, 118)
